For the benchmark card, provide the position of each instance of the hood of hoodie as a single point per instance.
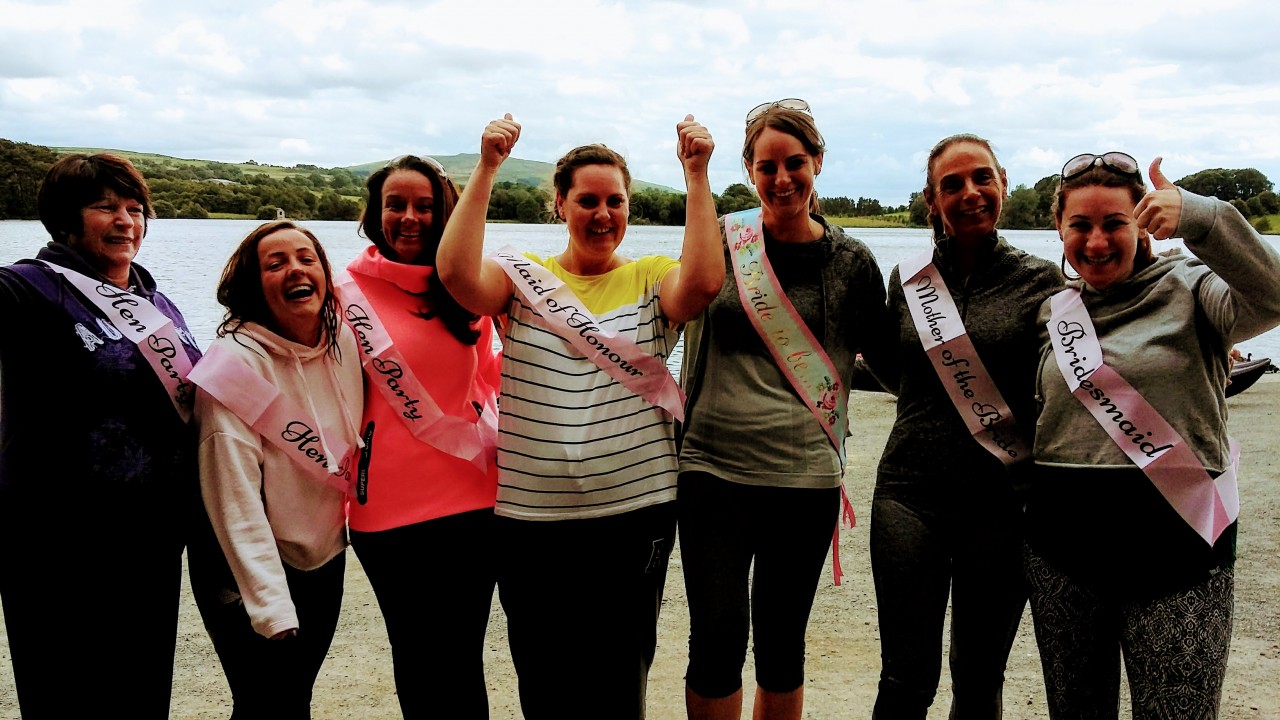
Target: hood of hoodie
(140, 281)
(279, 345)
(410, 278)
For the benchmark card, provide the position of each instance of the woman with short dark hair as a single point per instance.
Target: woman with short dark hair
(97, 471)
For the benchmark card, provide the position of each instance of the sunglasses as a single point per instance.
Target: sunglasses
(786, 104)
(1117, 162)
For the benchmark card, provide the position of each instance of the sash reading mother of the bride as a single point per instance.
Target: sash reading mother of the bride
(270, 412)
(391, 375)
(1208, 505)
(623, 360)
(796, 351)
(955, 359)
(153, 332)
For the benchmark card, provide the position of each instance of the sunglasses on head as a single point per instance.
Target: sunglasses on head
(1117, 162)
(786, 104)
(435, 164)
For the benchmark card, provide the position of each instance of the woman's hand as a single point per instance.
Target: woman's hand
(1160, 210)
(498, 140)
(694, 146)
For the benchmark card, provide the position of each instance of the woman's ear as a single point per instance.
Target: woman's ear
(817, 164)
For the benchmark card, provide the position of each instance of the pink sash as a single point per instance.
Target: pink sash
(562, 311)
(389, 373)
(1137, 428)
(275, 416)
(153, 332)
(795, 350)
(955, 359)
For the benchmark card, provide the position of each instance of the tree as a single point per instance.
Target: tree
(22, 169)
(1226, 185)
(918, 210)
(736, 197)
(1020, 209)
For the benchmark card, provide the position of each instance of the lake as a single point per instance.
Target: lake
(186, 256)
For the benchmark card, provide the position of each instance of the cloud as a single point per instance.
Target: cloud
(334, 82)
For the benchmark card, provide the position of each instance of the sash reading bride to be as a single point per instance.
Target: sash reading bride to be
(153, 332)
(1209, 506)
(955, 359)
(797, 353)
(566, 315)
(390, 374)
(275, 417)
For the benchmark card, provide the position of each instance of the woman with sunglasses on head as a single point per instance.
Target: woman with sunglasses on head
(422, 519)
(1132, 438)
(587, 457)
(799, 302)
(278, 411)
(946, 517)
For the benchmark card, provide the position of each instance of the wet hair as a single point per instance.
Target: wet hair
(77, 181)
(240, 289)
(595, 154)
(935, 221)
(444, 195)
(1098, 176)
(797, 124)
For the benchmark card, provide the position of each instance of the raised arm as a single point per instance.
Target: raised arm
(689, 288)
(475, 281)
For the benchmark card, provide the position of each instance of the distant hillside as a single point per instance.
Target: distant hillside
(517, 170)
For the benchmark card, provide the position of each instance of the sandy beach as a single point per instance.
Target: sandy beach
(843, 649)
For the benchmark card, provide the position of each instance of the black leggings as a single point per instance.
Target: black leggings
(724, 527)
(434, 581)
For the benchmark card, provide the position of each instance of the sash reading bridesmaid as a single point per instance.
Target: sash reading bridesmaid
(946, 517)
(1132, 512)
(422, 520)
(766, 369)
(97, 461)
(278, 408)
(586, 455)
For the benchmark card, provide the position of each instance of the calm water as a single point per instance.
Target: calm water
(186, 256)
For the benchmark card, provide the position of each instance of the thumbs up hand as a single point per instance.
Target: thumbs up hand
(1159, 212)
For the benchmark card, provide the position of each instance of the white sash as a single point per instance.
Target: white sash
(389, 373)
(1208, 505)
(151, 330)
(562, 311)
(953, 356)
(795, 350)
(275, 417)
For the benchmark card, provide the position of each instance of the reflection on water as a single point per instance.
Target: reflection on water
(186, 256)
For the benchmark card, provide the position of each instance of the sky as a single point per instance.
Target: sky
(345, 82)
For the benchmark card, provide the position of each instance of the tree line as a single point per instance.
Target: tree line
(196, 189)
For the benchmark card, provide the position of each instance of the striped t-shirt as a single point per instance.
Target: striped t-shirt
(573, 442)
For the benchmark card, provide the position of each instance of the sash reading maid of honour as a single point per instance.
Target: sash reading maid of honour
(1208, 505)
(623, 360)
(954, 358)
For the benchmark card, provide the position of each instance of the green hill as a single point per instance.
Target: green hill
(526, 172)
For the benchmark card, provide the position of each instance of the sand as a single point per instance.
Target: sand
(843, 644)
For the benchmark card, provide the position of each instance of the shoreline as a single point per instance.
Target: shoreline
(843, 644)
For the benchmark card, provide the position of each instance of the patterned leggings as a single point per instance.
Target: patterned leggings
(1175, 647)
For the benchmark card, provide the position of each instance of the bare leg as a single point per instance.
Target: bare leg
(705, 708)
(779, 706)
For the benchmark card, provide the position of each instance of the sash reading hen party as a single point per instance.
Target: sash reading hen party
(955, 359)
(389, 373)
(153, 332)
(566, 315)
(1208, 505)
(796, 351)
(266, 409)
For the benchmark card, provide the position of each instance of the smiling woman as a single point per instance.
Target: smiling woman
(277, 508)
(97, 468)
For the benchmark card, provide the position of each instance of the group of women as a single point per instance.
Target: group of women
(365, 406)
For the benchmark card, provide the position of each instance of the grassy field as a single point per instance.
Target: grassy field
(891, 220)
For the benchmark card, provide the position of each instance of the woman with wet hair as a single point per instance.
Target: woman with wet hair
(1132, 434)
(946, 516)
(278, 408)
